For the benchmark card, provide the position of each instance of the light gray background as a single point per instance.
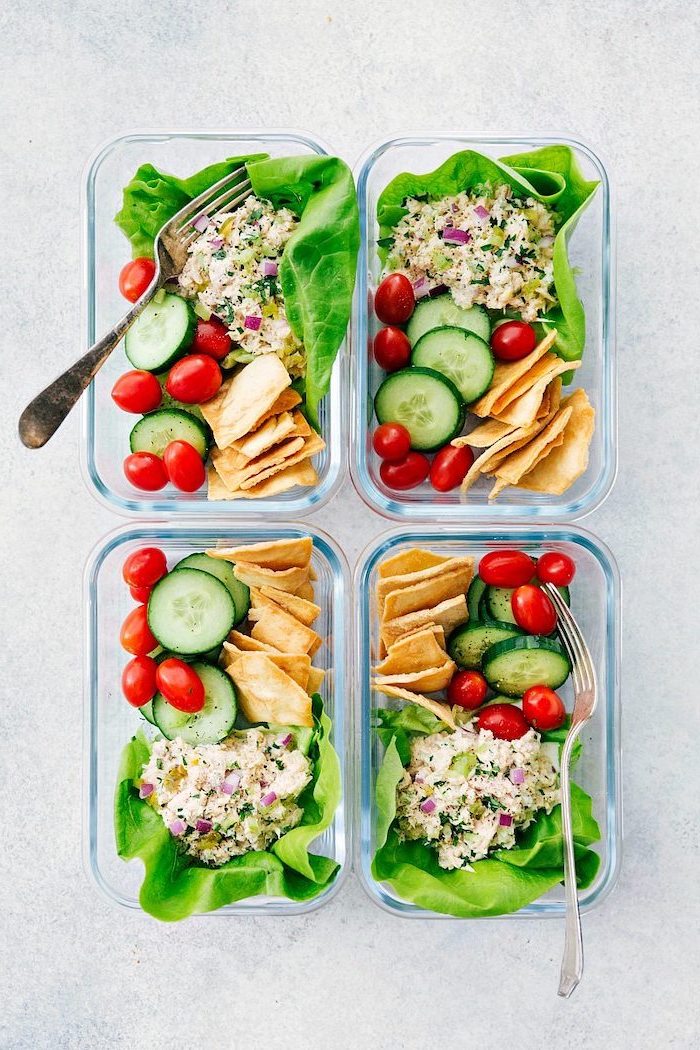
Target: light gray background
(76, 972)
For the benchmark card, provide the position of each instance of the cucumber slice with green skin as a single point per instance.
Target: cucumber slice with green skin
(208, 726)
(461, 356)
(501, 700)
(161, 333)
(154, 432)
(223, 570)
(474, 596)
(190, 612)
(498, 604)
(468, 644)
(147, 712)
(442, 311)
(514, 665)
(425, 402)
(170, 402)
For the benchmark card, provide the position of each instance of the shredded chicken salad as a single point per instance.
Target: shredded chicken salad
(466, 793)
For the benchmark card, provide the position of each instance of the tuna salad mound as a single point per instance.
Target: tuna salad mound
(466, 793)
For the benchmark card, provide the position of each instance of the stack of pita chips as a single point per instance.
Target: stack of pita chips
(263, 443)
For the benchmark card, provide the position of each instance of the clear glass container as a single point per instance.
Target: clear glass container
(590, 252)
(105, 428)
(595, 601)
(111, 722)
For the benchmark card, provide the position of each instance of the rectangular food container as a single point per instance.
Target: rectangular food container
(595, 601)
(590, 252)
(111, 722)
(105, 429)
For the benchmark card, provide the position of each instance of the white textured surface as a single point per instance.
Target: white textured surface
(621, 75)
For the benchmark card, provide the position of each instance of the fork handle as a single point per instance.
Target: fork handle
(572, 959)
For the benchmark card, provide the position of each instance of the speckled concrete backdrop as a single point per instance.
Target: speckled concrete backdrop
(621, 75)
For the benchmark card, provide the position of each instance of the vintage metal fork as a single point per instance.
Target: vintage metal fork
(43, 416)
(585, 699)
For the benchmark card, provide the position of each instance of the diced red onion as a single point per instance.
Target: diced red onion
(217, 242)
(428, 805)
(418, 779)
(438, 289)
(517, 776)
(481, 212)
(253, 323)
(269, 268)
(505, 820)
(453, 236)
(145, 790)
(284, 741)
(177, 827)
(268, 799)
(200, 223)
(421, 287)
(230, 784)
(204, 826)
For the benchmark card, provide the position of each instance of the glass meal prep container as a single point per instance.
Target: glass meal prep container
(590, 254)
(595, 601)
(105, 428)
(111, 721)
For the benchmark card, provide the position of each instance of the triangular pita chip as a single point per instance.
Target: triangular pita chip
(428, 680)
(505, 375)
(449, 614)
(301, 609)
(442, 711)
(412, 652)
(412, 560)
(274, 430)
(243, 399)
(235, 469)
(430, 592)
(527, 407)
(562, 466)
(267, 694)
(481, 465)
(316, 676)
(270, 554)
(282, 579)
(250, 645)
(514, 466)
(484, 435)
(278, 628)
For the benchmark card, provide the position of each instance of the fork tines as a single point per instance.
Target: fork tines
(581, 662)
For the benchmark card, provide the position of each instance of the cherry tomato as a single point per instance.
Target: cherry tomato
(211, 337)
(467, 689)
(505, 721)
(392, 349)
(556, 568)
(135, 634)
(139, 680)
(135, 278)
(506, 568)
(140, 594)
(180, 685)
(394, 301)
(543, 708)
(450, 466)
(184, 466)
(406, 473)
(137, 391)
(144, 567)
(194, 379)
(391, 441)
(533, 610)
(512, 340)
(145, 471)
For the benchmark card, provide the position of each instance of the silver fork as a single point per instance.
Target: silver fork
(585, 699)
(43, 416)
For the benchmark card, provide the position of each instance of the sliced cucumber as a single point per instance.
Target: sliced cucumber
(208, 726)
(171, 402)
(190, 612)
(474, 595)
(516, 664)
(461, 356)
(161, 333)
(425, 402)
(497, 604)
(468, 644)
(443, 310)
(223, 570)
(147, 712)
(154, 432)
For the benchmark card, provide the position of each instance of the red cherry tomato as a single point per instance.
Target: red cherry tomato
(194, 379)
(180, 685)
(406, 473)
(391, 441)
(543, 708)
(512, 340)
(467, 689)
(506, 568)
(135, 634)
(449, 467)
(140, 594)
(184, 466)
(556, 568)
(144, 567)
(139, 680)
(394, 301)
(533, 610)
(211, 337)
(392, 349)
(145, 471)
(505, 721)
(137, 391)
(135, 278)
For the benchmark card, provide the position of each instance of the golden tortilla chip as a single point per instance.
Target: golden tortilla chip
(270, 554)
(301, 609)
(527, 407)
(430, 592)
(448, 614)
(282, 579)
(484, 435)
(287, 400)
(514, 466)
(267, 694)
(428, 680)
(556, 472)
(409, 561)
(505, 375)
(250, 645)
(244, 398)
(271, 433)
(278, 628)
(442, 711)
(412, 652)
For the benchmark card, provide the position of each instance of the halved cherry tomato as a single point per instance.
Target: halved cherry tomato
(556, 568)
(513, 340)
(135, 635)
(194, 379)
(449, 467)
(180, 685)
(139, 680)
(144, 567)
(405, 473)
(391, 441)
(394, 301)
(135, 278)
(184, 466)
(137, 391)
(467, 689)
(140, 594)
(506, 568)
(392, 350)
(533, 610)
(211, 337)
(145, 471)
(543, 708)
(505, 721)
